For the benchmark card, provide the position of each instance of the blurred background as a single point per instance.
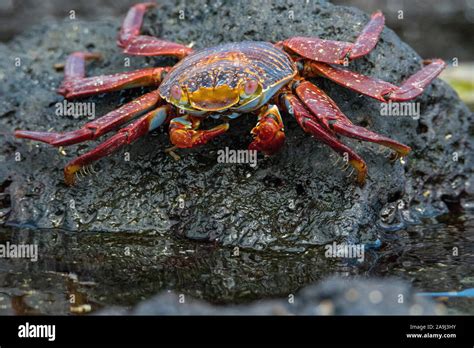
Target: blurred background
(434, 28)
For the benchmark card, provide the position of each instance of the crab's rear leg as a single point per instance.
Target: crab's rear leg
(184, 132)
(75, 84)
(133, 43)
(75, 67)
(375, 88)
(329, 114)
(125, 136)
(98, 127)
(269, 135)
(337, 52)
(310, 124)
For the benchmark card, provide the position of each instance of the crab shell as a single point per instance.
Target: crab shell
(212, 80)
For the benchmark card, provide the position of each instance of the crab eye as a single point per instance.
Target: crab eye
(250, 86)
(176, 92)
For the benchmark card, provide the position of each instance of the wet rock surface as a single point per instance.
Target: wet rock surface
(334, 296)
(275, 213)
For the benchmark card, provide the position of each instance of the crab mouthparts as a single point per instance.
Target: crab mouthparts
(215, 98)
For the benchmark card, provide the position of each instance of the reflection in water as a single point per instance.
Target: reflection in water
(79, 273)
(434, 257)
(20, 307)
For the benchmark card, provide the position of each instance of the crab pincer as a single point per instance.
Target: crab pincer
(269, 133)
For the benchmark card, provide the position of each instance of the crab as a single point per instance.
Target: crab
(226, 81)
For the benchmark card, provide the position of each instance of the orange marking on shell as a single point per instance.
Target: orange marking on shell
(214, 99)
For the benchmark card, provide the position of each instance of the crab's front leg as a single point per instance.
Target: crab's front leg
(269, 135)
(184, 132)
(124, 136)
(102, 125)
(328, 113)
(310, 125)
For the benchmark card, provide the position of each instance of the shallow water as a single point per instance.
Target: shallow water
(437, 256)
(82, 272)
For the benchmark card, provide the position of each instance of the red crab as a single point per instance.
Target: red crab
(226, 81)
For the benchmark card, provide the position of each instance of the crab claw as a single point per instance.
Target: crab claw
(184, 132)
(269, 135)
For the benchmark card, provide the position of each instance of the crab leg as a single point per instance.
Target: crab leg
(378, 89)
(369, 37)
(98, 127)
(309, 123)
(268, 134)
(125, 136)
(75, 67)
(337, 52)
(328, 113)
(75, 84)
(133, 43)
(184, 132)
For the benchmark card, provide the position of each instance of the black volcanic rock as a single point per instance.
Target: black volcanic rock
(289, 202)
